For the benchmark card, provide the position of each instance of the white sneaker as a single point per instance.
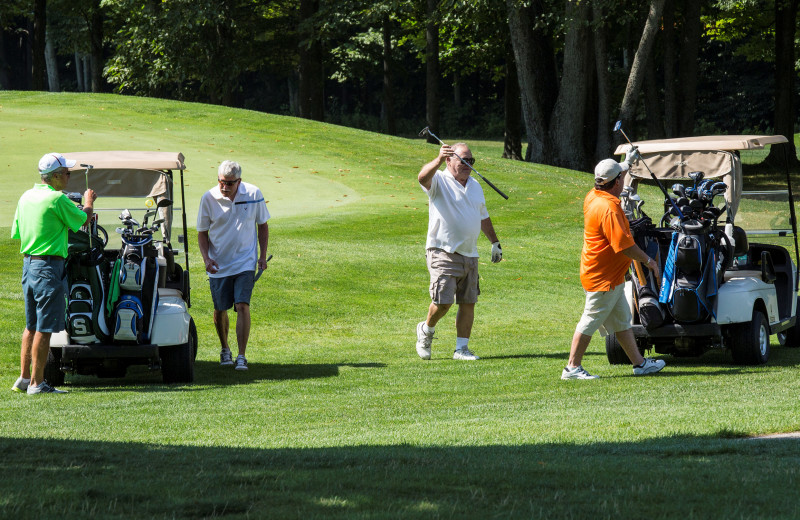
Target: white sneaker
(464, 354)
(241, 362)
(423, 342)
(21, 385)
(650, 366)
(225, 358)
(577, 372)
(44, 388)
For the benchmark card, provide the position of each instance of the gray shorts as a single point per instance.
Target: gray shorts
(44, 287)
(454, 277)
(229, 290)
(606, 311)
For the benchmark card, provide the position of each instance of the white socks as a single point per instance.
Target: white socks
(426, 329)
(461, 343)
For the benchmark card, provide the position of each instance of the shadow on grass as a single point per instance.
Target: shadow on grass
(673, 477)
(210, 373)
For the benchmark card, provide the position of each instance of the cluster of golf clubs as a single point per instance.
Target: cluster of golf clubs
(697, 202)
(132, 228)
(631, 203)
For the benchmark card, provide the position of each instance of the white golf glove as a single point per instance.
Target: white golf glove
(497, 252)
(632, 156)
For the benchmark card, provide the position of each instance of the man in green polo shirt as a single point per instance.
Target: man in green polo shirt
(44, 216)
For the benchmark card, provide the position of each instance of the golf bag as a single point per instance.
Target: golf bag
(87, 285)
(691, 273)
(135, 298)
(651, 315)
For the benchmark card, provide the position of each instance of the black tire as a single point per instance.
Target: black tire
(177, 361)
(791, 337)
(614, 352)
(52, 369)
(749, 342)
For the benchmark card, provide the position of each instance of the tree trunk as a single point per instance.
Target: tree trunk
(96, 43)
(51, 63)
(536, 72)
(785, 28)
(670, 86)
(652, 105)
(687, 74)
(78, 71)
(638, 67)
(5, 79)
(512, 136)
(568, 120)
(388, 95)
(309, 69)
(87, 72)
(39, 36)
(604, 142)
(432, 69)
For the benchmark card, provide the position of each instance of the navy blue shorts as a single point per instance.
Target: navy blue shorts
(228, 290)
(44, 287)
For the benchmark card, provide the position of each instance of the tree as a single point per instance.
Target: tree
(39, 35)
(785, 74)
(309, 69)
(432, 69)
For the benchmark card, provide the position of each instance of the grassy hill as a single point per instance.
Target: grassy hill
(337, 416)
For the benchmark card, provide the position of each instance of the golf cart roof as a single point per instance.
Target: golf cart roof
(704, 143)
(124, 173)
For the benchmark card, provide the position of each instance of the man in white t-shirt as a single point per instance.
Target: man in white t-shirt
(232, 235)
(457, 215)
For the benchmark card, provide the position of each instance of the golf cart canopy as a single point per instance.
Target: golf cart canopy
(715, 156)
(124, 174)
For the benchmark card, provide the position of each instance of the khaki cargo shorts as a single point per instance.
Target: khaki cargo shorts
(606, 311)
(454, 277)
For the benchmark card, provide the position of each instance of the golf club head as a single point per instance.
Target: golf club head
(425, 131)
(696, 204)
(696, 177)
(691, 192)
(683, 201)
(87, 166)
(125, 215)
(679, 189)
(618, 126)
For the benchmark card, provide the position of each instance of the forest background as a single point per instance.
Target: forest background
(549, 76)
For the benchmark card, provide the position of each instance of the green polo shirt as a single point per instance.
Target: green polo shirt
(42, 221)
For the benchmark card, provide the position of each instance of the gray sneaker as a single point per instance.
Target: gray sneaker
(20, 385)
(241, 362)
(650, 366)
(423, 342)
(225, 358)
(577, 372)
(44, 388)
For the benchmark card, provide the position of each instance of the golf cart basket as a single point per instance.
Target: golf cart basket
(698, 252)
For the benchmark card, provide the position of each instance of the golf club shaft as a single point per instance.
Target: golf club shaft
(88, 223)
(487, 181)
(653, 175)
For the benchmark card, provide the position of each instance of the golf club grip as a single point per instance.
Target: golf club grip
(495, 188)
(637, 266)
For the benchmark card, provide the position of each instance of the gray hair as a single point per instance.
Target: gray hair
(47, 177)
(230, 169)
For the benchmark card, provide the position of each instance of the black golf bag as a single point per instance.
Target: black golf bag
(693, 272)
(87, 288)
(651, 315)
(134, 306)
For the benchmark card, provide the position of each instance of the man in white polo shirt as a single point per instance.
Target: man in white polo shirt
(232, 235)
(457, 215)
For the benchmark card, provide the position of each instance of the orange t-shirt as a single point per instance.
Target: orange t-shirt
(606, 233)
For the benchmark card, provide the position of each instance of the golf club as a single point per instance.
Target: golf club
(261, 271)
(89, 224)
(618, 128)
(427, 131)
(679, 189)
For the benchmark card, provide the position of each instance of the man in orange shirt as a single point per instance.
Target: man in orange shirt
(608, 249)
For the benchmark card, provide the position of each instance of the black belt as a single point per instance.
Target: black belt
(44, 257)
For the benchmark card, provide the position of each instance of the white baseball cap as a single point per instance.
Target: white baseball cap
(53, 161)
(608, 169)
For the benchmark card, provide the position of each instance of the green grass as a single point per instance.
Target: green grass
(337, 417)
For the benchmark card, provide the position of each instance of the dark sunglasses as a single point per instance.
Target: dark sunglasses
(228, 183)
(468, 160)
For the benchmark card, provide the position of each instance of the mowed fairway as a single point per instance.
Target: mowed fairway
(337, 416)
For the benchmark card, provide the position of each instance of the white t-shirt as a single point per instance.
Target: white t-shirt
(455, 214)
(231, 226)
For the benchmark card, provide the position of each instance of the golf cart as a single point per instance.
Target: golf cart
(719, 289)
(128, 295)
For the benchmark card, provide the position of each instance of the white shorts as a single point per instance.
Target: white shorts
(606, 311)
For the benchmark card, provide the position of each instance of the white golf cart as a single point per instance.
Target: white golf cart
(720, 288)
(128, 296)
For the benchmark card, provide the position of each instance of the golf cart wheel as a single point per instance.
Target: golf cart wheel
(750, 341)
(791, 337)
(614, 352)
(52, 369)
(177, 361)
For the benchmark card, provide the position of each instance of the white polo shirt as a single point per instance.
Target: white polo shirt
(231, 226)
(455, 214)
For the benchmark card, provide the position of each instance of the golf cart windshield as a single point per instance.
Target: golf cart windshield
(715, 156)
